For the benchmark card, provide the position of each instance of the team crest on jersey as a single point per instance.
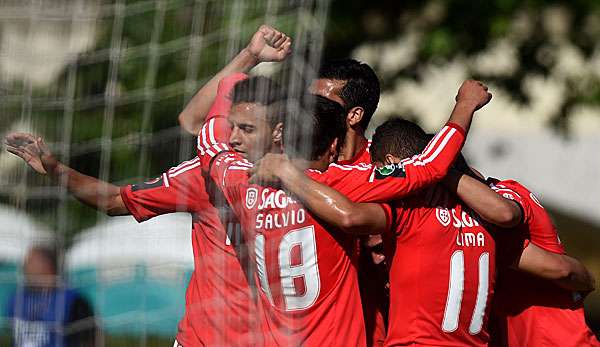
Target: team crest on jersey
(443, 216)
(390, 170)
(251, 197)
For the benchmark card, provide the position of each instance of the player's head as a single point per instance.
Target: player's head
(352, 84)
(40, 266)
(256, 117)
(395, 140)
(314, 129)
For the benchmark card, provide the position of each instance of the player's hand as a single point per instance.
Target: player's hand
(473, 93)
(26, 147)
(266, 170)
(269, 44)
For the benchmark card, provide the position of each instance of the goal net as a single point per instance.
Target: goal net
(103, 82)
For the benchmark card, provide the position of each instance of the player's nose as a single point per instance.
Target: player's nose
(234, 138)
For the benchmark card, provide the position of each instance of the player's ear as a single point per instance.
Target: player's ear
(355, 115)
(333, 150)
(277, 133)
(391, 159)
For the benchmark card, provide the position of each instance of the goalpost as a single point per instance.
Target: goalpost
(103, 82)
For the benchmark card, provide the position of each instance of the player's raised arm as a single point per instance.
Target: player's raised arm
(490, 206)
(267, 44)
(325, 202)
(472, 96)
(402, 177)
(564, 270)
(101, 195)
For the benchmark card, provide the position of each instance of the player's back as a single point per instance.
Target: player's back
(306, 274)
(442, 270)
(530, 311)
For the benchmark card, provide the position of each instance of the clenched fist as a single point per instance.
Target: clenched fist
(473, 93)
(269, 44)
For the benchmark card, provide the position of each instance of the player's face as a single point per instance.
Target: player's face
(328, 88)
(251, 133)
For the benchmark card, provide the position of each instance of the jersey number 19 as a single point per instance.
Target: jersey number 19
(298, 270)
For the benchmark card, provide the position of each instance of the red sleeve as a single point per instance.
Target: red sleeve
(392, 182)
(214, 135)
(222, 103)
(180, 189)
(541, 230)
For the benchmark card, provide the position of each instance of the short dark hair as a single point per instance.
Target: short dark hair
(260, 90)
(311, 126)
(399, 137)
(361, 88)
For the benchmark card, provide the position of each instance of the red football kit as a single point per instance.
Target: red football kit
(219, 306)
(437, 243)
(306, 275)
(220, 309)
(371, 280)
(262, 212)
(442, 273)
(530, 311)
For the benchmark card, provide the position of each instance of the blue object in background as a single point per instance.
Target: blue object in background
(132, 302)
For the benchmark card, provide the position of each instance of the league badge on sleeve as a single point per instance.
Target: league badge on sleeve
(157, 182)
(390, 170)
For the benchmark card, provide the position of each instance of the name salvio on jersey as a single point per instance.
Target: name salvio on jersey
(272, 208)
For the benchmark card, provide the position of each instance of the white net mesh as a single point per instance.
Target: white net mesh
(103, 83)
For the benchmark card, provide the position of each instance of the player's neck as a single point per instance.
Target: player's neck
(354, 143)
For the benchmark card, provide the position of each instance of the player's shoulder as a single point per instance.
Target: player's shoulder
(508, 188)
(233, 161)
(336, 170)
(362, 166)
(511, 184)
(189, 166)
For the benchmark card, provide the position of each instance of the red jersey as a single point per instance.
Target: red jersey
(360, 182)
(398, 181)
(362, 157)
(220, 309)
(219, 306)
(442, 273)
(306, 301)
(372, 281)
(530, 311)
(307, 276)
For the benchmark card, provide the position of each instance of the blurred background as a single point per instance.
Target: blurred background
(104, 81)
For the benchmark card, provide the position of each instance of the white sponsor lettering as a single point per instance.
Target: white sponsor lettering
(280, 219)
(274, 199)
(464, 220)
(470, 239)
